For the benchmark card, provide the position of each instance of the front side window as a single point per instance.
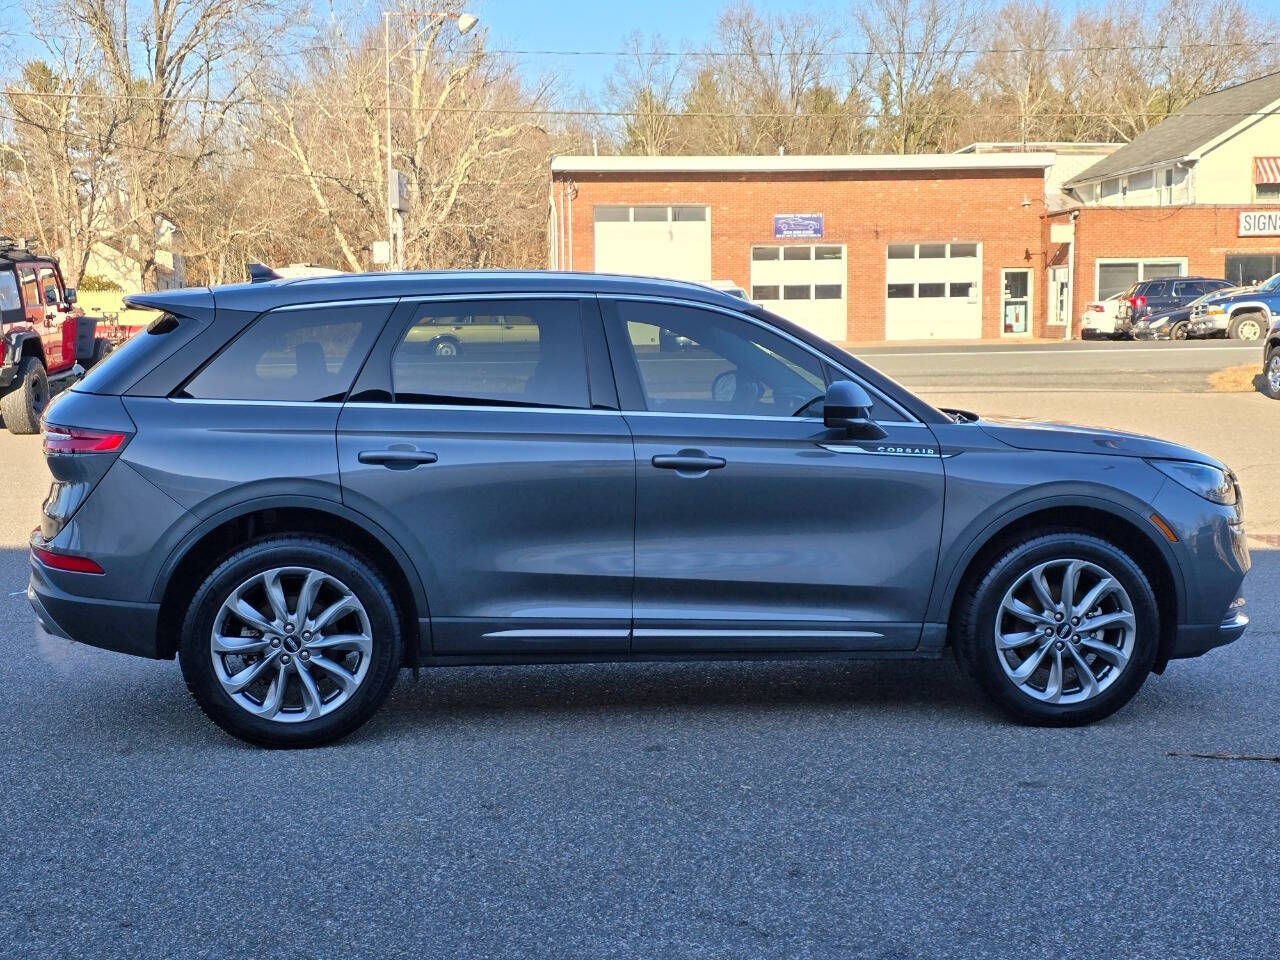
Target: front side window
(699, 361)
(293, 355)
(525, 353)
(49, 287)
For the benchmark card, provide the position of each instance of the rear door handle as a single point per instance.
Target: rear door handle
(688, 462)
(396, 459)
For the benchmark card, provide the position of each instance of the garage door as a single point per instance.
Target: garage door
(654, 241)
(933, 291)
(804, 283)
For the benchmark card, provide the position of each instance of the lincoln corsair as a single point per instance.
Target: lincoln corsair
(291, 488)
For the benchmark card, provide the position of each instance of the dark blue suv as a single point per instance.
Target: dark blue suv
(289, 488)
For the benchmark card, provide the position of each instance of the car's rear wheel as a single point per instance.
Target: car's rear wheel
(1247, 326)
(24, 404)
(1271, 373)
(1060, 629)
(1178, 331)
(291, 642)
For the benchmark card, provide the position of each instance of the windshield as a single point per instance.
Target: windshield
(1271, 284)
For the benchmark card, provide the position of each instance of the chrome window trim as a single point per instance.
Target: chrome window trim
(328, 304)
(697, 304)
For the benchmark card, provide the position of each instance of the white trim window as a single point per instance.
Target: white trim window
(1114, 275)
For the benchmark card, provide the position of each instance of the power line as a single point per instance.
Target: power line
(675, 114)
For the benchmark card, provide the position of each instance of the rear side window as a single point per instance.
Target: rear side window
(1154, 290)
(525, 353)
(293, 355)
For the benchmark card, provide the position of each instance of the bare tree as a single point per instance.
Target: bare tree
(645, 88)
(919, 53)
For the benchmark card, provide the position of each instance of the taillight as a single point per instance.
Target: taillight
(65, 561)
(75, 440)
(1138, 302)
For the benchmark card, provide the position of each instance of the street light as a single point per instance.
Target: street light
(465, 22)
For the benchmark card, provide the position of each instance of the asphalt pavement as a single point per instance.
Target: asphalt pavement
(770, 810)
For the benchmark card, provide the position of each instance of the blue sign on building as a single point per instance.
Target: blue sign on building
(797, 226)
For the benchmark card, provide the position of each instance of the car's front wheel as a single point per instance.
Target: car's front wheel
(1248, 326)
(1060, 629)
(293, 641)
(1178, 331)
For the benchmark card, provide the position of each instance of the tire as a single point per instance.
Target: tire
(101, 350)
(445, 347)
(1178, 331)
(1271, 373)
(371, 664)
(1247, 326)
(980, 611)
(24, 404)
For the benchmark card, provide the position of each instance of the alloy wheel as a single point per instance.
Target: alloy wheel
(291, 644)
(1249, 330)
(1065, 631)
(1273, 372)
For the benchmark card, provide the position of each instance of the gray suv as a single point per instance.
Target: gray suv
(291, 488)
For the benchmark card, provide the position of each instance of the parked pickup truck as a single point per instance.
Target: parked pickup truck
(1244, 314)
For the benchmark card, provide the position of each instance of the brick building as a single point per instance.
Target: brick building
(854, 247)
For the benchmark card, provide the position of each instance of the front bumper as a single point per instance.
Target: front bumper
(8, 371)
(109, 624)
(1195, 639)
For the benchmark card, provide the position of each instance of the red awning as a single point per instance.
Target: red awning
(1266, 170)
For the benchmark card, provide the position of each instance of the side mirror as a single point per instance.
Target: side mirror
(70, 294)
(848, 407)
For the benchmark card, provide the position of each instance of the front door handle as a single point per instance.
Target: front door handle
(688, 462)
(397, 459)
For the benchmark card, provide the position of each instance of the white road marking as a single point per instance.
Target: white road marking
(1057, 353)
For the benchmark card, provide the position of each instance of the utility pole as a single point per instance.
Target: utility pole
(464, 22)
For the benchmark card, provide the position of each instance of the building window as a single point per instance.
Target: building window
(768, 292)
(650, 214)
(932, 290)
(962, 290)
(797, 253)
(828, 253)
(964, 250)
(1267, 191)
(611, 214)
(933, 251)
(1115, 276)
(902, 251)
(764, 253)
(1249, 268)
(796, 291)
(688, 214)
(827, 291)
(902, 291)
(1110, 188)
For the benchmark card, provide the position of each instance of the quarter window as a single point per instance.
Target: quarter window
(30, 290)
(9, 299)
(293, 355)
(526, 353)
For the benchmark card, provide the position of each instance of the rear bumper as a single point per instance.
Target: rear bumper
(109, 624)
(7, 372)
(1193, 640)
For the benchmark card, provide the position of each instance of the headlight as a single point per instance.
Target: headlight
(1213, 484)
(1215, 310)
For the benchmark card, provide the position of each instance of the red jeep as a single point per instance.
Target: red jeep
(46, 338)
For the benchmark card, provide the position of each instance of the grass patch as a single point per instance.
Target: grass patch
(1246, 378)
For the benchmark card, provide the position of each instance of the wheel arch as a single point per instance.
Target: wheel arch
(1101, 518)
(30, 345)
(221, 534)
(1250, 306)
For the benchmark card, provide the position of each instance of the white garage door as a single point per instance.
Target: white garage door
(933, 291)
(654, 241)
(804, 283)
